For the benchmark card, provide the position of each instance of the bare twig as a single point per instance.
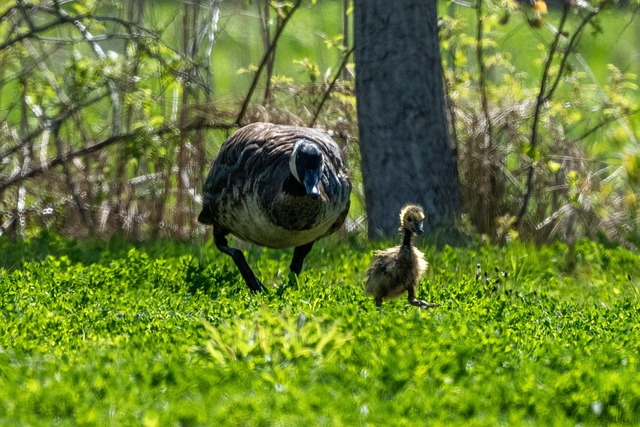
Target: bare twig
(265, 59)
(111, 86)
(605, 122)
(546, 94)
(329, 88)
(482, 78)
(108, 142)
(32, 33)
(542, 95)
(86, 217)
(345, 34)
(64, 115)
(568, 51)
(264, 12)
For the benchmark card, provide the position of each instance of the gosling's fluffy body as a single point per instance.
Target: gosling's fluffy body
(394, 271)
(275, 186)
(397, 270)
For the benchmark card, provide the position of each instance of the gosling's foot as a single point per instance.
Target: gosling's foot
(422, 304)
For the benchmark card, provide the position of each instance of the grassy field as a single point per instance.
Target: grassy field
(168, 334)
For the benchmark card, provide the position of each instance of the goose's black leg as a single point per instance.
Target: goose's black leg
(418, 302)
(249, 277)
(299, 254)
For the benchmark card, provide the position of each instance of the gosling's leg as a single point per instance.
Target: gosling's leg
(418, 302)
(220, 239)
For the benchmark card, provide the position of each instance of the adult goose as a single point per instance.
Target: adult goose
(399, 269)
(276, 186)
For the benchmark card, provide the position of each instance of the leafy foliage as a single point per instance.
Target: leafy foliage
(524, 335)
(545, 133)
(111, 112)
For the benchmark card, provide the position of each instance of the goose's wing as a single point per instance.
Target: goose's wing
(249, 156)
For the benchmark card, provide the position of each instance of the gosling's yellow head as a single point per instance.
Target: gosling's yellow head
(412, 219)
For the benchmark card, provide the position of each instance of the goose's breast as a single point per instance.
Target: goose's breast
(251, 221)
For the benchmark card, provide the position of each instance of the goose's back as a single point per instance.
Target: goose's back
(243, 192)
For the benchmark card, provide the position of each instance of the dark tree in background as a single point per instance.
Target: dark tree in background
(404, 143)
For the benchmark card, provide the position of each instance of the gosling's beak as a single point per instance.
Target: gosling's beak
(418, 228)
(312, 182)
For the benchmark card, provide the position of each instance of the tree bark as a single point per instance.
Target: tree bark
(404, 142)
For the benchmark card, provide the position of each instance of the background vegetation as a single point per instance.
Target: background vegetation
(549, 120)
(106, 108)
(111, 112)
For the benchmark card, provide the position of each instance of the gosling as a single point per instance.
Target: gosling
(399, 269)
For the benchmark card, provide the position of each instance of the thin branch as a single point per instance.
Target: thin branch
(36, 30)
(112, 140)
(605, 122)
(86, 218)
(570, 47)
(111, 86)
(24, 14)
(60, 118)
(482, 79)
(329, 89)
(98, 38)
(537, 111)
(130, 26)
(264, 11)
(345, 33)
(605, 98)
(5, 15)
(265, 59)
(590, 74)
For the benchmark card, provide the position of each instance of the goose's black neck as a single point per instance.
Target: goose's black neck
(293, 187)
(406, 240)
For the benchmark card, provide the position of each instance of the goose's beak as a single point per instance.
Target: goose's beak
(418, 228)
(312, 182)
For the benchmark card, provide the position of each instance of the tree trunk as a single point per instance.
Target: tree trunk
(404, 141)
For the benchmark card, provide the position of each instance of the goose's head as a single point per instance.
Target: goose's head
(412, 219)
(307, 165)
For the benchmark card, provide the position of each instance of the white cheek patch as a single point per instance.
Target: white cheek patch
(292, 161)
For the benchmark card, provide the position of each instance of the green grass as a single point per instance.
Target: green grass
(133, 337)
